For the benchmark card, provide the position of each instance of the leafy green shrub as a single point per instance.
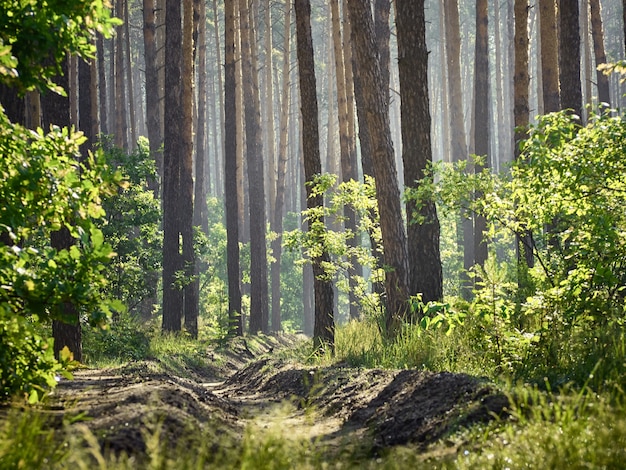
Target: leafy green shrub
(123, 340)
(132, 227)
(43, 188)
(568, 189)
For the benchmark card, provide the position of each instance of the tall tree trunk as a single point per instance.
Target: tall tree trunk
(324, 328)
(259, 320)
(269, 108)
(121, 122)
(569, 57)
(200, 215)
(173, 160)
(388, 193)
(220, 92)
(55, 109)
(521, 83)
(481, 117)
(549, 56)
(457, 125)
(231, 192)
(277, 221)
(102, 85)
(132, 128)
(191, 291)
(425, 272)
(598, 49)
(348, 165)
(153, 112)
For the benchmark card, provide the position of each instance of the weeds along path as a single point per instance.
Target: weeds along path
(248, 391)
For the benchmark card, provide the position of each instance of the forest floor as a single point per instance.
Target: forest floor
(250, 387)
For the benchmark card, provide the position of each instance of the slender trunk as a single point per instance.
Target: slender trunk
(598, 49)
(481, 118)
(259, 320)
(220, 93)
(121, 125)
(172, 162)
(324, 328)
(277, 221)
(200, 215)
(153, 113)
(129, 80)
(231, 191)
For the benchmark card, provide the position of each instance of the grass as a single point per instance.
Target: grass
(573, 427)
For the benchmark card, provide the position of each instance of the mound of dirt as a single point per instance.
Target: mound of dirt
(392, 407)
(376, 408)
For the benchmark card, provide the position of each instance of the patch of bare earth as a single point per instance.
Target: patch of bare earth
(333, 406)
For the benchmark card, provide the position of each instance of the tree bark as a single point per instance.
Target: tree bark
(599, 53)
(153, 112)
(186, 198)
(279, 204)
(55, 110)
(569, 57)
(324, 327)
(549, 56)
(121, 122)
(172, 160)
(425, 272)
(481, 118)
(521, 113)
(388, 194)
(231, 192)
(132, 128)
(219, 151)
(259, 319)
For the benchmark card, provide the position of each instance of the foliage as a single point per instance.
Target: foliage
(132, 227)
(43, 188)
(560, 430)
(569, 179)
(125, 339)
(326, 233)
(35, 36)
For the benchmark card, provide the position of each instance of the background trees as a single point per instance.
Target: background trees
(465, 88)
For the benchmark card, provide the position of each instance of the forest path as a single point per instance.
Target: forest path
(333, 409)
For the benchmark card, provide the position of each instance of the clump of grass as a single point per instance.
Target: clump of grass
(553, 430)
(361, 344)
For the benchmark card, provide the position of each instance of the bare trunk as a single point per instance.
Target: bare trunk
(231, 192)
(598, 49)
(259, 320)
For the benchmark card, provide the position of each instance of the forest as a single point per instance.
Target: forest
(267, 234)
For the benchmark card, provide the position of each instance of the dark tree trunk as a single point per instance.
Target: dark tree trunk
(191, 290)
(259, 316)
(12, 103)
(425, 272)
(55, 109)
(132, 121)
(348, 168)
(521, 113)
(598, 49)
(569, 57)
(230, 173)
(172, 162)
(324, 328)
(102, 85)
(388, 194)
(481, 117)
(121, 122)
(153, 112)
(549, 56)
